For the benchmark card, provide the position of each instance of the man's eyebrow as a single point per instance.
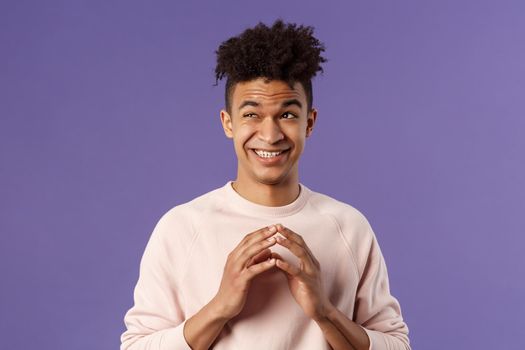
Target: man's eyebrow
(286, 103)
(248, 103)
(293, 101)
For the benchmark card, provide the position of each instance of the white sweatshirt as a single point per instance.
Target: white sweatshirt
(182, 266)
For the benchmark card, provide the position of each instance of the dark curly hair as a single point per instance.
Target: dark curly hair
(282, 52)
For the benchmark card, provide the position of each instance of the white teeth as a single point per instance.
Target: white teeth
(266, 154)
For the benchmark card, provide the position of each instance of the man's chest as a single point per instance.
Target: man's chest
(209, 252)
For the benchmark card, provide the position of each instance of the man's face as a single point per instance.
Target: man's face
(267, 117)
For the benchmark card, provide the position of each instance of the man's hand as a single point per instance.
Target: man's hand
(304, 281)
(250, 258)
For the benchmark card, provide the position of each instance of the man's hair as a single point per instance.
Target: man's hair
(282, 52)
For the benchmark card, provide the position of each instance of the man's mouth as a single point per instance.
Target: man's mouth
(268, 154)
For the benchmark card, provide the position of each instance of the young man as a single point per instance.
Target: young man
(264, 262)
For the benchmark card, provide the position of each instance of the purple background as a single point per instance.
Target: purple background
(109, 117)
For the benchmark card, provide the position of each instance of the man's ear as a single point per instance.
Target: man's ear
(310, 122)
(226, 121)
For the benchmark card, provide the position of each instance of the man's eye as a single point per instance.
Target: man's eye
(249, 115)
(288, 115)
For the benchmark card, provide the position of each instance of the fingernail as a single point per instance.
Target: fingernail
(271, 239)
(272, 229)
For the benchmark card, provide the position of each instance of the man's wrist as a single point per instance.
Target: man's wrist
(202, 329)
(325, 314)
(352, 331)
(217, 311)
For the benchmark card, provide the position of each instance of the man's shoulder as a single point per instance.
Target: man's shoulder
(180, 220)
(201, 204)
(338, 209)
(351, 223)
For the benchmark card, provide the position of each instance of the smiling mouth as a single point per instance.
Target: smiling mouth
(269, 154)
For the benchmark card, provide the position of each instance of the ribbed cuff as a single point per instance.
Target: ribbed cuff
(368, 333)
(381, 341)
(173, 338)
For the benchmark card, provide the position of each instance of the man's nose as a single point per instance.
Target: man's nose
(270, 131)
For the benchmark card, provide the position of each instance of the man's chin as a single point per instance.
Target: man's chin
(273, 180)
(270, 182)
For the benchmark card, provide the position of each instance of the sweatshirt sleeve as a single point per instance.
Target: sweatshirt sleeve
(156, 320)
(376, 310)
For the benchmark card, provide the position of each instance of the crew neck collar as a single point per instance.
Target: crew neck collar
(250, 207)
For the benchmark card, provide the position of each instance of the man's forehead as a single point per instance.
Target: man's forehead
(269, 91)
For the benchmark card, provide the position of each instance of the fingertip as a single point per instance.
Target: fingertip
(283, 230)
(281, 265)
(276, 255)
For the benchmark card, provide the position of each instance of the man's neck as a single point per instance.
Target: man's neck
(268, 195)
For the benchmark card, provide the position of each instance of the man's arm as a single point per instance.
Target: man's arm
(156, 321)
(375, 308)
(306, 288)
(374, 305)
(250, 258)
(201, 330)
(337, 327)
